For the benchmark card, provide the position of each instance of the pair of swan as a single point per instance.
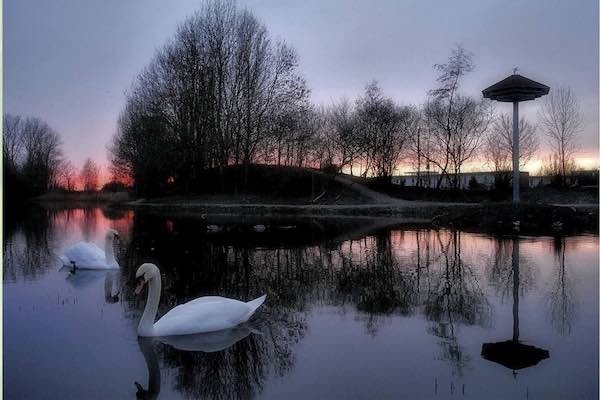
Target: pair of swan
(204, 314)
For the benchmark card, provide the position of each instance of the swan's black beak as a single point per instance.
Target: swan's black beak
(139, 284)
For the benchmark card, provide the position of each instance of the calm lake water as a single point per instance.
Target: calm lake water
(355, 310)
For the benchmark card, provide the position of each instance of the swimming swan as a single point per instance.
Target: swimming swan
(204, 314)
(84, 255)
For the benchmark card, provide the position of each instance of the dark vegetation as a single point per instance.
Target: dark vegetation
(550, 194)
(471, 195)
(31, 157)
(525, 219)
(223, 92)
(266, 184)
(291, 184)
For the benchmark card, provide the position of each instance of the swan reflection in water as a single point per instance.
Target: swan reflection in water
(203, 342)
(82, 279)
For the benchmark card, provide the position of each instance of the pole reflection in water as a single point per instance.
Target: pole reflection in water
(511, 353)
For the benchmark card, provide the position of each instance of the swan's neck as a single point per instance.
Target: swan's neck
(109, 252)
(145, 328)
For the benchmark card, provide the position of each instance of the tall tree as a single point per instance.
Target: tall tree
(343, 131)
(456, 124)
(42, 153)
(383, 129)
(66, 175)
(561, 119)
(211, 96)
(89, 176)
(499, 143)
(12, 141)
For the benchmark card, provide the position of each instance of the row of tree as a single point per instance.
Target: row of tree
(31, 153)
(33, 160)
(223, 92)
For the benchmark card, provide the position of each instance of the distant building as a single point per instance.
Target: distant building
(539, 180)
(422, 179)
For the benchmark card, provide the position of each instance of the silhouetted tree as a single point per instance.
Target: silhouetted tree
(89, 175)
(383, 129)
(456, 124)
(66, 175)
(31, 155)
(213, 96)
(499, 142)
(561, 119)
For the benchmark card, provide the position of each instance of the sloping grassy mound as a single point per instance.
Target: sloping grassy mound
(272, 184)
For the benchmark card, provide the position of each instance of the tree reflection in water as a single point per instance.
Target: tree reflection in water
(562, 301)
(26, 245)
(376, 284)
(454, 297)
(373, 274)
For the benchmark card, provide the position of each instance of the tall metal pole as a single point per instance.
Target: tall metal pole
(516, 175)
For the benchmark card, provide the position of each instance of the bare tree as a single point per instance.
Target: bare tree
(560, 116)
(499, 143)
(343, 133)
(66, 175)
(214, 95)
(12, 140)
(552, 166)
(456, 124)
(42, 153)
(89, 175)
(32, 154)
(383, 129)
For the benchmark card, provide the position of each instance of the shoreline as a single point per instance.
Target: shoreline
(487, 217)
(497, 218)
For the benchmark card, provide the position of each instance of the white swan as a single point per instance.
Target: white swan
(84, 255)
(204, 314)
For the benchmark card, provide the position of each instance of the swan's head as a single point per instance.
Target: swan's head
(111, 235)
(145, 273)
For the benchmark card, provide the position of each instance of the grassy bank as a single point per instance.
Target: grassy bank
(500, 218)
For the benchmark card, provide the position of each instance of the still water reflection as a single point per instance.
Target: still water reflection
(355, 309)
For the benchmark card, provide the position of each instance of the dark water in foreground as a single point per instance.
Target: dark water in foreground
(354, 310)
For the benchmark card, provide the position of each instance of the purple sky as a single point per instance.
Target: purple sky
(70, 61)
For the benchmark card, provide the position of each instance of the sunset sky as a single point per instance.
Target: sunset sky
(70, 62)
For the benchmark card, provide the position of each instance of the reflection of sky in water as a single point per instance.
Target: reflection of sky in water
(354, 310)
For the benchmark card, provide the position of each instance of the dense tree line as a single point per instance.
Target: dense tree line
(33, 161)
(215, 95)
(31, 155)
(223, 92)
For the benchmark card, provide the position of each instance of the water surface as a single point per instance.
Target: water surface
(355, 309)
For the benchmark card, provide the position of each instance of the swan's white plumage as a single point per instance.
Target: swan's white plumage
(201, 315)
(86, 255)
(89, 256)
